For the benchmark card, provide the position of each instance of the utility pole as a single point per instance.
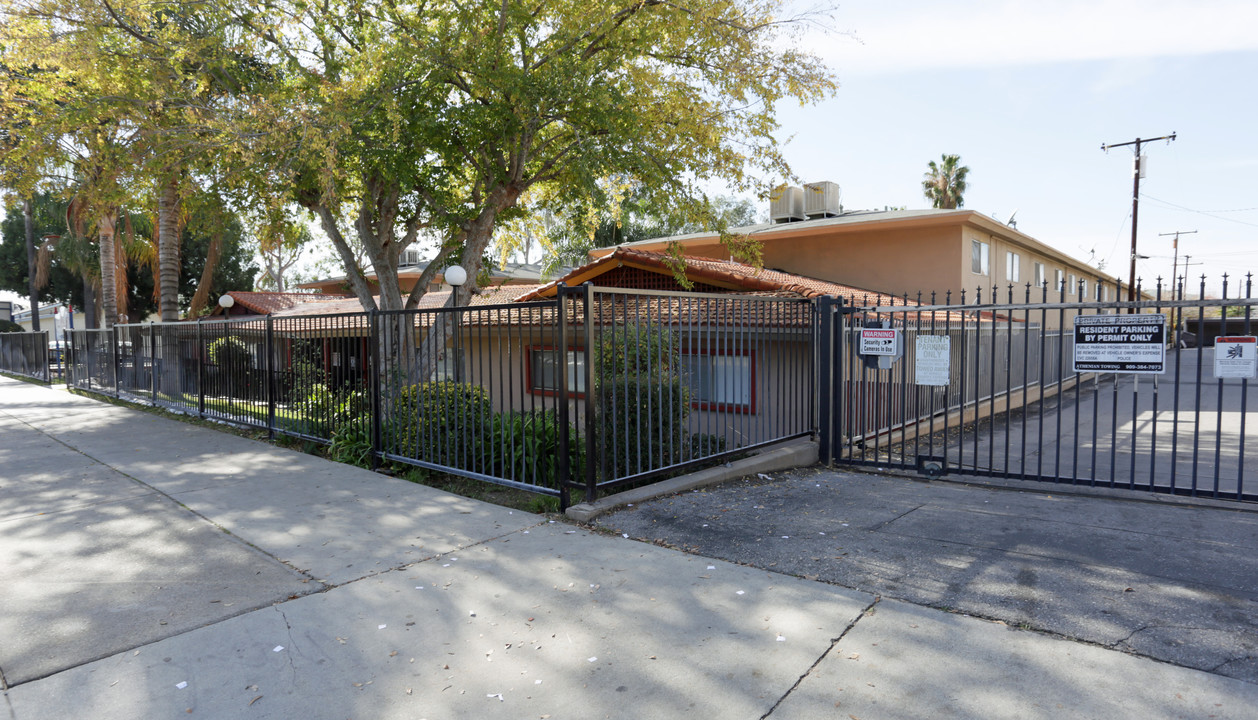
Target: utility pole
(1135, 204)
(1175, 246)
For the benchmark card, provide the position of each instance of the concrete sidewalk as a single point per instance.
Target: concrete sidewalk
(152, 568)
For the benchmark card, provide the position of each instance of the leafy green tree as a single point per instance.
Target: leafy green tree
(48, 216)
(944, 185)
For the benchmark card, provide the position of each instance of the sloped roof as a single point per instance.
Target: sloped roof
(265, 303)
(731, 276)
(493, 295)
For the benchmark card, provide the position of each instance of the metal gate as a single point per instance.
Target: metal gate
(1013, 405)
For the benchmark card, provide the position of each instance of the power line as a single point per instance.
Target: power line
(1204, 212)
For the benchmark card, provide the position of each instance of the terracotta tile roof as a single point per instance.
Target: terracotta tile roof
(734, 277)
(264, 303)
(495, 295)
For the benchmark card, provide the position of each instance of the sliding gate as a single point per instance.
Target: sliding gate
(990, 389)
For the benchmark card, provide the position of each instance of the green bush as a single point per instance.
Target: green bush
(443, 422)
(7, 326)
(526, 447)
(641, 402)
(351, 442)
(231, 352)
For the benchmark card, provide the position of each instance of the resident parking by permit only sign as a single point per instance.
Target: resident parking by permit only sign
(1236, 357)
(1120, 344)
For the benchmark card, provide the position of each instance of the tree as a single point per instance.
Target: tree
(944, 185)
(444, 115)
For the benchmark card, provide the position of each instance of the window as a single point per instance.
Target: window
(979, 256)
(720, 382)
(1039, 275)
(544, 368)
(1083, 289)
(1013, 272)
(1058, 279)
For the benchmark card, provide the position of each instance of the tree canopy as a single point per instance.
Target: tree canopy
(392, 121)
(944, 184)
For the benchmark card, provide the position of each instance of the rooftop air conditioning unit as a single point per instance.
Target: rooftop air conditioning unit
(786, 204)
(821, 199)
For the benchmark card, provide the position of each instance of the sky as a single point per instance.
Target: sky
(1026, 93)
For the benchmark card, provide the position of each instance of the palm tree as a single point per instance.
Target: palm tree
(945, 183)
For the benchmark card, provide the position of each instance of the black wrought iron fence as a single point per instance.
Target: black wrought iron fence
(587, 390)
(26, 354)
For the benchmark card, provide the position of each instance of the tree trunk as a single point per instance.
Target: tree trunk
(108, 272)
(91, 316)
(31, 264)
(168, 247)
(207, 275)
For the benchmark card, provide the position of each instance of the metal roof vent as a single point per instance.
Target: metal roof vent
(821, 199)
(786, 204)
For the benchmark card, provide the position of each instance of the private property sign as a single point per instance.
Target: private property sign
(1120, 344)
(1236, 357)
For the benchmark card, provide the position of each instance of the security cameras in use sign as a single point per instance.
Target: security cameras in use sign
(1120, 344)
(880, 341)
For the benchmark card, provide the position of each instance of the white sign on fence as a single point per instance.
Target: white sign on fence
(879, 341)
(1236, 357)
(1120, 344)
(932, 360)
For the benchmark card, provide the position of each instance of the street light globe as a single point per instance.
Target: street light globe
(226, 301)
(456, 275)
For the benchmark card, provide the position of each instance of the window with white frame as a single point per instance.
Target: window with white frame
(1013, 272)
(1039, 275)
(1070, 289)
(719, 381)
(1058, 279)
(545, 366)
(1083, 289)
(979, 257)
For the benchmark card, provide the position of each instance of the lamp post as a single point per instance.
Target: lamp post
(455, 275)
(227, 302)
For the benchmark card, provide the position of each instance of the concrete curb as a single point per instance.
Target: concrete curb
(792, 454)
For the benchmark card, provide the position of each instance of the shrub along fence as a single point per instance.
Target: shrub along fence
(592, 389)
(26, 354)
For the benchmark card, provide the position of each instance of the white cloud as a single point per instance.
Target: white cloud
(923, 34)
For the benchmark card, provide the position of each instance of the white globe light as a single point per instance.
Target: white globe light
(456, 275)
(226, 301)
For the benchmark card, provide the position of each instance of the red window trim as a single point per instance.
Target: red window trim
(750, 407)
(528, 372)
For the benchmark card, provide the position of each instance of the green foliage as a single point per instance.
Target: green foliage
(8, 326)
(351, 442)
(231, 352)
(944, 185)
(526, 447)
(642, 404)
(443, 422)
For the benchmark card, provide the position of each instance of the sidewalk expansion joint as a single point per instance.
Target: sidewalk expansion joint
(867, 610)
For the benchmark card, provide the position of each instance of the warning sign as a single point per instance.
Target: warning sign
(877, 341)
(1120, 344)
(1236, 357)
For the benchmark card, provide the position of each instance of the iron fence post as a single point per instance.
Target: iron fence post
(591, 482)
(200, 359)
(113, 358)
(374, 379)
(269, 368)
(153, 362)
(563, 469)
(825, 408)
